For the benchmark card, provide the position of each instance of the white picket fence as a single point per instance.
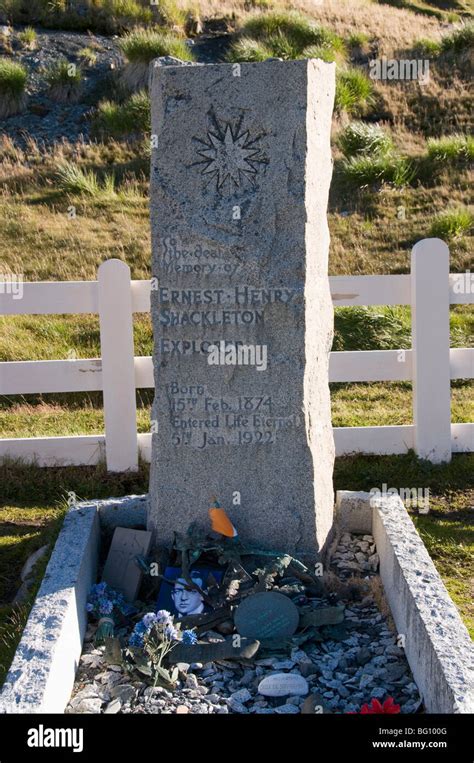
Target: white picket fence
(430, 364)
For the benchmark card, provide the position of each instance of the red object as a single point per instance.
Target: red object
(388, 708)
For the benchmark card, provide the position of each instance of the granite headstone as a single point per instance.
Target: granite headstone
(241, 306)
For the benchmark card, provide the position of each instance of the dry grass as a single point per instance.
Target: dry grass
(443, 105)
(38, 235)
(62, 248)
(374, 232)
(390, 27)
(352, 589)
(378, 594)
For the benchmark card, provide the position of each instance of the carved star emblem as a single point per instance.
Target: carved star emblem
(230, 157)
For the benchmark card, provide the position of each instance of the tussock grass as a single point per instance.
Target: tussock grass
(171, 14)
(286, 35)
(64, 80)
(371, 159)
(358, 39)
(371, 328)
(298, 29)
(247, 49)
(451, 149)
(427, 47)
(122, 119)
(125, 11)
(364, 138)
(11, 9)
(364, 171)
(459, 41)
(87, 56)
(453, 224)
(260, 5)
(73, 179)
(293, 25)
(143, 45)
(354, 92)
(325, 53)
(13, 78)
(28, 38)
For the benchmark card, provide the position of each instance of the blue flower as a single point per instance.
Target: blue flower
(100, 588)
(163, 616)
(90, 607)
(189, 638)
(136, 640)
(170, 633)
(149, 619)
(141, 628)
(106, 607)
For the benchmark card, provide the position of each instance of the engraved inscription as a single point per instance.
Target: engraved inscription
(200, 419)
(229, 155)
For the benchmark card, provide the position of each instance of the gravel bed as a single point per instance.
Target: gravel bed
(338, 674)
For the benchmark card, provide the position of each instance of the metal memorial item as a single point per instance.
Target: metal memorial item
(240, 301)
(267, 616)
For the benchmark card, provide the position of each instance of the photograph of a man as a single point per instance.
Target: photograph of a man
(185, 600)
(179, 598)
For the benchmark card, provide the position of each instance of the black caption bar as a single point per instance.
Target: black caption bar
(86, 737)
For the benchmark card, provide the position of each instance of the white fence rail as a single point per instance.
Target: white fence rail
(430, 364)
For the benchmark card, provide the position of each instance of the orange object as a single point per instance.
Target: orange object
(221, 522)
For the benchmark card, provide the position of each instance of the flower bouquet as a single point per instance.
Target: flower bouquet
(106, 604)
(152, 639)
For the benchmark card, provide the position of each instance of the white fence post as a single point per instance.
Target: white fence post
(430, 343)
(118, 372)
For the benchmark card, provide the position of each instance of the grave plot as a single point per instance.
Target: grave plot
(267, 636)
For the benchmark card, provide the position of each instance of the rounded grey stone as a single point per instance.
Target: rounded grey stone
(283, 685)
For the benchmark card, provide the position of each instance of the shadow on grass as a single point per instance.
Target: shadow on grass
(365, 472)
(29, 485)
